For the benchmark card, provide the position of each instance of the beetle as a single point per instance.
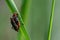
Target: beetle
(15, 22)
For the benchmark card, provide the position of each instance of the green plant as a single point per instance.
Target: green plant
(51, 20)
(22, 29)
(13, 9)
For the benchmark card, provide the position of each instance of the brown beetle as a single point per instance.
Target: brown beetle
(15, 22)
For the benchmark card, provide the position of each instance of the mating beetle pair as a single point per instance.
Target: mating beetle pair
(15, 22)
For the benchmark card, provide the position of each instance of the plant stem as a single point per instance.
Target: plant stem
(51, 20)
(25, 8)
(13, 9)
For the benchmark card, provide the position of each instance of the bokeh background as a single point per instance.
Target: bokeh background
(37, 20)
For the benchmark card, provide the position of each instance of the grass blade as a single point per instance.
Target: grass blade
(51, 20)
(13, 9)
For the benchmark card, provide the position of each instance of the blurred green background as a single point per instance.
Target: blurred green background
(37, 20)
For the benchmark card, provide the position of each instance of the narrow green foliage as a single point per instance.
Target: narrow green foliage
(26, 4)
(13, 8)
(23, 8)
(51, 20)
